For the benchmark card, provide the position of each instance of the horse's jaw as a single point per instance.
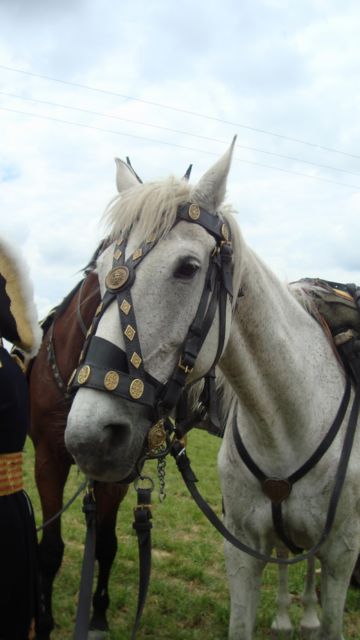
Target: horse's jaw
(103, 442)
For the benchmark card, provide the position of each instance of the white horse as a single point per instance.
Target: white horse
(282, 379)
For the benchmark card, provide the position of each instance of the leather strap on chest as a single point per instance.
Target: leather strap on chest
(278, 489)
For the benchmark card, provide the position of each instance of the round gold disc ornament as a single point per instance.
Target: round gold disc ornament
(84, 374)
(156, 436)
(111, 380)
(116, 278)
(136, 389)
(194, 212)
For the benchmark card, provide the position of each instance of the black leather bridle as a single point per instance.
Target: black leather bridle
(106, 367)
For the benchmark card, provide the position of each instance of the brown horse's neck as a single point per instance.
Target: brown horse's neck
(67, 333)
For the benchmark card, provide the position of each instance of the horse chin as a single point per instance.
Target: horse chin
(106, 439)
(105, 470)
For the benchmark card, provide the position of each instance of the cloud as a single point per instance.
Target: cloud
(9, 172)
(42, 9)
(265, 65)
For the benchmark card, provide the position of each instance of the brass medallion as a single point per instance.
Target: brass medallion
(116, 278)
(156, 436)
(194, 212)
(135, 360)
(130, 332)
(111, 380)
(125, 306)
(137, 254)
(84, 374)
(136, 389)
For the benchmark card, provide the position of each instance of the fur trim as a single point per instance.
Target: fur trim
(20, 297)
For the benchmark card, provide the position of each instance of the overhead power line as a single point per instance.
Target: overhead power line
(184, 133)
(180, 110)
(174, 144)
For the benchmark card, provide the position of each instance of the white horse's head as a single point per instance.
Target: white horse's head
(165, 261)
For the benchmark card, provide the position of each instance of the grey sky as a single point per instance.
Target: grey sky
(284, 67)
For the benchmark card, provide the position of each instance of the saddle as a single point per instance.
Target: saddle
(337, 307)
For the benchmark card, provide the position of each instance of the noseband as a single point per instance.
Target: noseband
(106, 367)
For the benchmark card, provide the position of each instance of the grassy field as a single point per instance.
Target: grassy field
(188, 596)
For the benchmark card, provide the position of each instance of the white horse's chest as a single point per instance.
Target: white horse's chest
(305, 510)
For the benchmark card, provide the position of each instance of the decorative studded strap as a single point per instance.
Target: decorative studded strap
(212, 223)
(106, 369)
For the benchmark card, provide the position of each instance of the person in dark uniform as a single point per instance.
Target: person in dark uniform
(18, 325)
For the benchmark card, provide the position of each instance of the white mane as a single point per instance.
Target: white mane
(152, 208)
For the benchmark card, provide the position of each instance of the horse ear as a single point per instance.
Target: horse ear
(210, 190)
(133, 170)
(187, 173)
(125, 178)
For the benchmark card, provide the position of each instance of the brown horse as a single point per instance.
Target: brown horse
(50, 404)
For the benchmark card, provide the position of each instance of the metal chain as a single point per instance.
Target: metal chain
(161, 469)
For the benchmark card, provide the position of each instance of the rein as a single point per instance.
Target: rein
(64, 508)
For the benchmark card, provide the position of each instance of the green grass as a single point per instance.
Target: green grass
(188, 595)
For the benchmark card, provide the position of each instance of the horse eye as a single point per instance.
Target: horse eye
(186, 270)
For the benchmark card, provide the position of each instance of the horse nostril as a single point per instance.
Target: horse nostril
(119, 433)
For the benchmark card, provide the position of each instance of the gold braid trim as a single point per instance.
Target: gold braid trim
(11, 473)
